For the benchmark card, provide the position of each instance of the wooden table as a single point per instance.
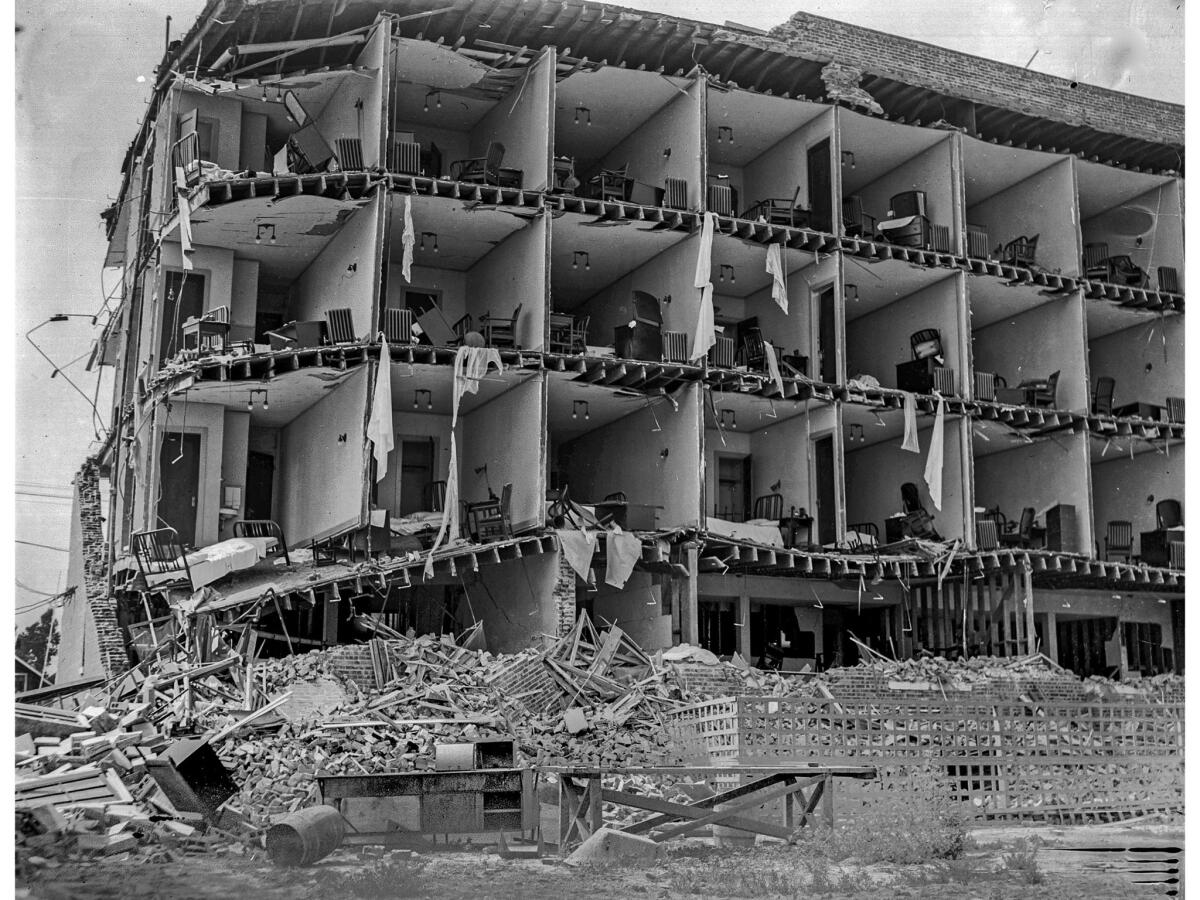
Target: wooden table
(581, 799)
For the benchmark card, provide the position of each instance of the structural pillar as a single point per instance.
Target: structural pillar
(689, 606)
(743, 632)
(1026, 591)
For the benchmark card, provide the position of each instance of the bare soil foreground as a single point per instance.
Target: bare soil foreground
(1029, 863)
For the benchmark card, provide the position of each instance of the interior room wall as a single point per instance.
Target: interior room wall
(228, 114)
(795, 329)
(1044, 204)
(312, 454)
(451, 283)
(452, 145)
(1035, 344)
(878, 341)
(1122, 489)
(207, 420)
(625, 455)
(252, 143)
(513, 274)
(1161, 244)
(927, 171)
(779, 170)
(671, 273)
(781, 453)
(408, 425)
(340, 117)
(374, 57)
(1041, 475)
(514, 602)
(506, 435)
(243, 299)
(1145, 367)
(235, 445)
(637, 609)
(874, 475)
(328, 282)
(521, 122)
(677, 127)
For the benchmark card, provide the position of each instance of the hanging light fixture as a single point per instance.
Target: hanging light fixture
(432, 236)
(724, 133)
(267, 229)
(437, 96)
(417, 399)
(587, 260)
(732, 274)
(576, 406)
(250, 400)
(585, 112)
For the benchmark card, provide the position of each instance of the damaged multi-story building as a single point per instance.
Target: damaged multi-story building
(777, 344)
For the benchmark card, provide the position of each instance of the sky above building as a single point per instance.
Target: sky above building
(83, 78)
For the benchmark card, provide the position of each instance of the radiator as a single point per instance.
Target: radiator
(977, 242)
(943, 380)
(349, 154)
(1175, 548)
(720, 354)
(405, 158)
(676, 194)
(341, 326)
(398, 325)
(720, 199)
(939, 238)
(674, 346)
(985, 386)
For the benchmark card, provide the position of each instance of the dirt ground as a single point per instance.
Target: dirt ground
(999, 864)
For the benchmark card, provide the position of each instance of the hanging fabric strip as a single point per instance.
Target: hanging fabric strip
(578, 547)
(470, 365)
(933, 464)
(623, 550)
(778, 276)
(449, 524)
(910, 423)
(706, 326)
(379, 426)
(409, 238)
(185, 230)
(773, 366)
(704, 256)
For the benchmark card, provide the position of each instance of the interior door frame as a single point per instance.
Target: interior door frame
(201, 479)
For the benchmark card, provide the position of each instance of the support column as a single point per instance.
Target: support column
(689, 605)
(743, 633)
(1051, 648)
(1027, 604)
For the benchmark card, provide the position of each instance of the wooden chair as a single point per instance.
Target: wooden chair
(1095, 261)
(1102, 399)
(398, 326)
(488, 519)
(160, 552)
(1042, 393)
(1169, 514)
(925, 343)
(483, 169)
(1020, 251)
(500, 332)
(262, 528)
(856, 530)
(1168, 279)
(1122, 270)
(856, 222)
(754, 353)
(918, 523)
(1025, 532)
(579, 333)
(341, 326)
(779, 211)
(768, 506)
(1118, 540)
(611, 184)
(435, 496)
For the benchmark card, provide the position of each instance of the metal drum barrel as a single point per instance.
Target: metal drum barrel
(305, 836)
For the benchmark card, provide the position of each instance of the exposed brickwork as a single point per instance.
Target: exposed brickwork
(564, 595)
(699, 680)
(102, 604)
(841, 83)
(979, 80)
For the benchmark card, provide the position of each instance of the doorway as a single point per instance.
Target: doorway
(827, 336)
(179, 478)
(183, 299)
(260, 482)
(733, 488)
(416, 471)
(820, 186)
(826, 490)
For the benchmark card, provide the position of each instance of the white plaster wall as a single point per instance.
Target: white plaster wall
(1161, 244)
(878, 341)
(507, 434)
(235, 447)
(928, 171)
(452, 284)
(636, 609)
(513, 600)
(410, 425)
(779, 170)
(521, 122)
(207, 420)
(328, 283)
(1043, 204)
(1122, 489)
(243, 299)
(228, 114)
(1145, 366)
(512, 274)
(796, 329)
(321, 479)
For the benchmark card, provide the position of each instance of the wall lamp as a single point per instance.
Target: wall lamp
(848, 155)
(587, 260)
(437, 96)
(575, 406)
(585, 112)
(724, 133)
(729, 419)
(852, 292)
(732, 276)
(267, 229)
(258, 392)
(667, 153)
(428, 399)
(855, 434)
(431, 235)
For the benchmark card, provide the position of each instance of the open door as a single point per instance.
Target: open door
(827, 337)
(820, 186)
(826, 490)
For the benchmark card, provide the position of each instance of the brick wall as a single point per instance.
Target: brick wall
(854, 685)
(698, 680)
(101, 603)
(979, 80)
(564, 595)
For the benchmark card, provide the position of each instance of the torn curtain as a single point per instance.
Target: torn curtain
(778, 277)
(409, 238)
(935, 461)
(624, 550)
(706, 331)
(910, 423)
(578, 548)
(379, 426)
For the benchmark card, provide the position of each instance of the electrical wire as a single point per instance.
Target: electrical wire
(45, 546)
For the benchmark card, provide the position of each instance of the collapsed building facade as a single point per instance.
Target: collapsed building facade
(436, 314)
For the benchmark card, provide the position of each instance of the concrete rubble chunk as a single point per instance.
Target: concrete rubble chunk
(608, 845)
